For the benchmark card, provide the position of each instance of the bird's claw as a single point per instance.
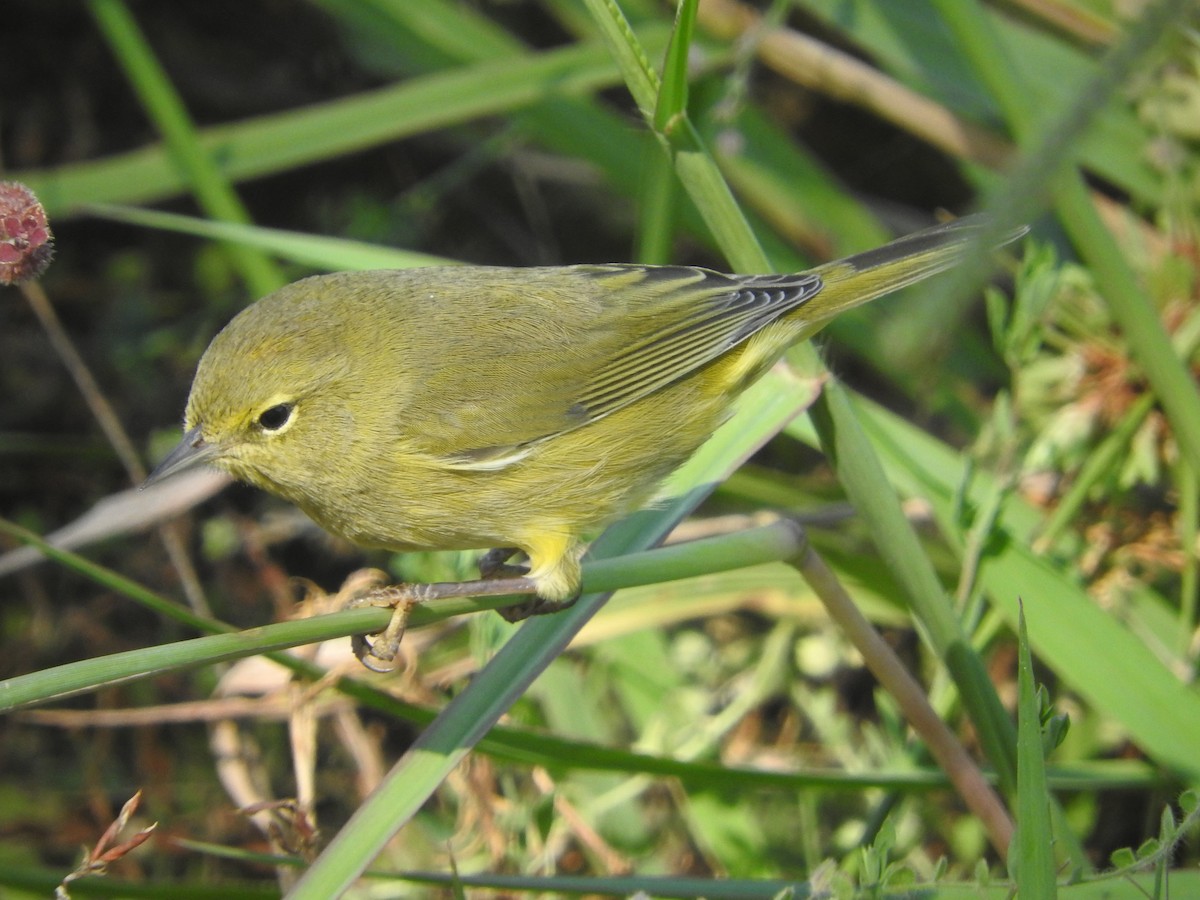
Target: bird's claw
(379, 651)
(495, 564)
(537, 606)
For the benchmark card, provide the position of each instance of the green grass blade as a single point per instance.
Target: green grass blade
(873, 496)
(513, 744)
(913, 43)
(657, 207)
(29, 881)
(673, 93)
(281, 141)
(706, 556)
(1033, 856)
(318, 251)
(639, 75)
(88, 675)
(166, 109)
(699, 175)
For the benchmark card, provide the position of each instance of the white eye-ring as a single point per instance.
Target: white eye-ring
(275, 418)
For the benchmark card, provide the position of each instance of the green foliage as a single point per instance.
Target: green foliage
(713, 736)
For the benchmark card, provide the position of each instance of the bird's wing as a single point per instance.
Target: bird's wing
(702, 315)
(570, 346)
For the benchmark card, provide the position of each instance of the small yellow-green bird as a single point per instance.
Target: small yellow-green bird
(479, 407)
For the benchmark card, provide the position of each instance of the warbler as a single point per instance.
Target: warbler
(468, 407)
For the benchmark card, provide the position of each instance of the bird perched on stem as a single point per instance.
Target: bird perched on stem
(513, 408)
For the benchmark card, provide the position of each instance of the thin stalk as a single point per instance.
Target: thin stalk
(871, 492)
(950, 754)
(114, 432)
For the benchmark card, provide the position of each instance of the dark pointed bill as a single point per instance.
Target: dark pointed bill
(191, 451)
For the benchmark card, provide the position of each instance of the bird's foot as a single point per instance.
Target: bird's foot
(379, 652)
(495, 564)
(537, 606)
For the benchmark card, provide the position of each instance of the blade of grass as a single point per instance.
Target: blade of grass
(167, 111)
(1032, 860)
(699, 175)
(640, 77)
(866, 482)
(85, 676)
(285, 140)
(42, 881)
(318, 251)
(657, 206)
(584, 129)
(512, 744)
(571, 125)
(774, 542)
(33, 881)
(943, 745)
(672, 100)
(537, 749)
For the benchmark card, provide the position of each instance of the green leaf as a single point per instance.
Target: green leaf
(1032, 856)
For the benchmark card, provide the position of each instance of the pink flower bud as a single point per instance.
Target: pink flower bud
(26, 244)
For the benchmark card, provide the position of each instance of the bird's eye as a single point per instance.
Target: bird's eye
(275, 417)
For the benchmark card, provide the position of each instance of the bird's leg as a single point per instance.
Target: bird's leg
(538, 606)
(378, 651)
(494, 563)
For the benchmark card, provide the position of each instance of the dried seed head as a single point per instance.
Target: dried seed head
(26, 244)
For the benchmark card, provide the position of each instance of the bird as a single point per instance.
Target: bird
(511, 409)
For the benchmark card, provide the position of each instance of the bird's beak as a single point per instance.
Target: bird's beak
(191, 451)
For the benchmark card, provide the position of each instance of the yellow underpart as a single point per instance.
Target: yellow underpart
(554, 564)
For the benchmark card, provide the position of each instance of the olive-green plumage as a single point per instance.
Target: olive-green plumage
(473, 407)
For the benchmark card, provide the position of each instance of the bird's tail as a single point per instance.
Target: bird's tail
(861, 278)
